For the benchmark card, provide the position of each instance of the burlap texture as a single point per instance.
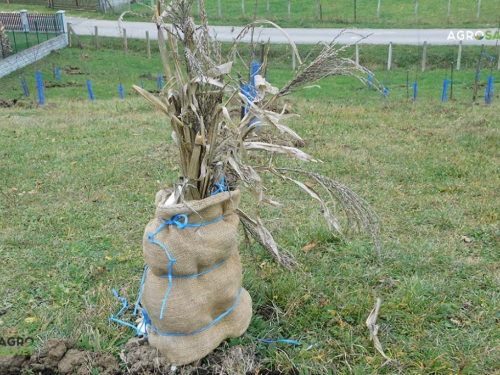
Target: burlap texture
(195, 249)
(194, 303)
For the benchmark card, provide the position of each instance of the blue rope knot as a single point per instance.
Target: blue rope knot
(220, 187)
(177, 221)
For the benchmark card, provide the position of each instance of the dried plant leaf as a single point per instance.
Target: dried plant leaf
(371, 323)
(289, 151)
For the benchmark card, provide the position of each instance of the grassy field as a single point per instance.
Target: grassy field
(106, 72)
(393, 13)
(78, 183)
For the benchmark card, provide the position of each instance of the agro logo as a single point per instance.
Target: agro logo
(479, 35)
(16, 341)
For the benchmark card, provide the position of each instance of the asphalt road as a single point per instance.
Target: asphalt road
(138, 30)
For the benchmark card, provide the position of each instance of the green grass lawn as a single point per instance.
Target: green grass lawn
(78, 186)
(79, 178)
(393, 13)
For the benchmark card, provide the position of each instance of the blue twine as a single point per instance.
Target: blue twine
(180, 225)
(220, 187)
(220, 317)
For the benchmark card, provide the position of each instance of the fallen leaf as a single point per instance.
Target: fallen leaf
(309, 184)
(309, 246)
(31, 319)
(371, 323)
(13, 189)
(33, 192)
(466, 239)
(73, 163)
(107, 257)
(53, 139)
(39, 182)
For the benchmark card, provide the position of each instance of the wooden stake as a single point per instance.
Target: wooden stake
(449, 11)
(220, 8)
(243, 7)
(476, 79)
(355, 11)
(289, 8)
(317, 10)
(478, 9)
(96, 32)
(389, 58)
(125, 44)
(148, 45)
(408, 84)
(424, 57)
(451, 82)
(378, 11)
(416, 10)
(459, 58)
(293, 61)
(268, 10)
(357, 54)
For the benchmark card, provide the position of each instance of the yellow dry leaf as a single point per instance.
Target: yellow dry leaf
(309, 246)
(107, 257)
(30, 319)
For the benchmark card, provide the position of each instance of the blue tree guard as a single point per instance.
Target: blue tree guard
(369, 81)
(386, 92)
(160, 81)
(25, 88)
(58, 75)
(444, 97)
(489, 91)
(120, 91)
(250, 91)
(39, 86)
(89, 89)
(415, 91)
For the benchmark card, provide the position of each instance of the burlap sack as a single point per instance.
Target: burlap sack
(194, 303)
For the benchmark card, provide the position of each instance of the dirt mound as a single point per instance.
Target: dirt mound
(7, 103)
(57, 356)
(49, 85)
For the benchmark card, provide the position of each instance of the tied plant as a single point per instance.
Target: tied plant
(214, 141)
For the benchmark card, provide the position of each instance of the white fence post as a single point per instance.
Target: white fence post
(24, 20)
(389, 58)
(61, 14)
